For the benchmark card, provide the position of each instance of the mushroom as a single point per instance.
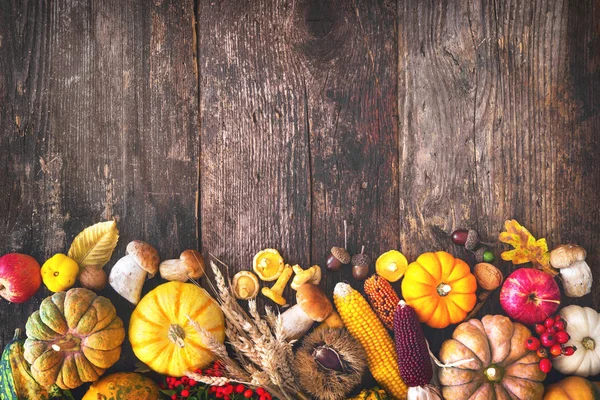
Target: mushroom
(268, 264)
(576, 274)
(275, 292)
(312, 305)
(245, 285)
(310, 275)
(127, 276)
(190, 264)
(334, 321)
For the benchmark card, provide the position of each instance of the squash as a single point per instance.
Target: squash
(440, 288)
(572, 388)
(488, 359)
(583, 325)
(123, 386)
(161, 335)
(73, 338)
(16, 381)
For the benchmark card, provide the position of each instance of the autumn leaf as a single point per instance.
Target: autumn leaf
(94, 246)
(526, 247)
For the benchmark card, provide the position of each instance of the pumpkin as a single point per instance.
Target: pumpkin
(16, 382)
(73, 338)
(123, 386)
(583, 325)
(572, 388)
(440, 288)
(161, 335)
(487, 359)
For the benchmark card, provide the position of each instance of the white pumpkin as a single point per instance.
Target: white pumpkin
(583, 325)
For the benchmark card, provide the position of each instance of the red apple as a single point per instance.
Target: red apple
(529, 296)
(20, 277)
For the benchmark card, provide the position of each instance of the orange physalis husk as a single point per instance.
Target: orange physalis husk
(526, 247)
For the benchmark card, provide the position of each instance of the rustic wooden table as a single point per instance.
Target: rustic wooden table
(232, 126)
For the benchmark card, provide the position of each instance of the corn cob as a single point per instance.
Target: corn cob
(411, 346)
(363, 324)
(382, 298)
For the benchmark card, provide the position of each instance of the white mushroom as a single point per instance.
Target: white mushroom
(576, 274)
(312, 305)
(127, 276)
(190, 264)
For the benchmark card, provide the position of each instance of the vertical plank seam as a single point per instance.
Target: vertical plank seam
(195, 44)
(310, 174)
(475, 175)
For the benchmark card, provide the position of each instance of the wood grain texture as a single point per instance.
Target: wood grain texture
(298, 129)
(498, 110)
(241, 125)
(100, 113)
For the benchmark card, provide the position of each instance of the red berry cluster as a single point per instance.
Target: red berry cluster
(551, 342)
(183, 388)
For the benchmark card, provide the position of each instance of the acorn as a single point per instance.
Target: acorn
(337, 258)
(360, 265)
(463, 237)
(483, 254)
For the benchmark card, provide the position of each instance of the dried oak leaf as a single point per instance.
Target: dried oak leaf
(526, 247)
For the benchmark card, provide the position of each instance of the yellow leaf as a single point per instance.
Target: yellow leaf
(526, 247)
(94, 246)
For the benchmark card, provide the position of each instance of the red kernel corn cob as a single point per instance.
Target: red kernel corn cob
(382, 298)
(411, 347)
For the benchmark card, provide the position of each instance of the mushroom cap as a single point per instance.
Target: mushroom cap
(193, 262)
(276, 297)
(245, 275)
(565, 255)
(314, 302)
(268, 264)
(144, 255)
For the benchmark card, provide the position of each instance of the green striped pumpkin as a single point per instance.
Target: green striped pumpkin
(16, 382)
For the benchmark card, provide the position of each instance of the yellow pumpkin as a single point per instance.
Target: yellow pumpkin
(573, 388)
(440, 288)
(123, 386)
(161, 335)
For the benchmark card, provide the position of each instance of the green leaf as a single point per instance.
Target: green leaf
(94, 246)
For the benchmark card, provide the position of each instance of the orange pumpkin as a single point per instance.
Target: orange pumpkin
(573, 388)
(161, 335)
(123, 386)
(440, 288)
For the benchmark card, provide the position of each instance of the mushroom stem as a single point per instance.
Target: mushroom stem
(295, 322)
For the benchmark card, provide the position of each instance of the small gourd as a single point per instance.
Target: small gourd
(583, 326)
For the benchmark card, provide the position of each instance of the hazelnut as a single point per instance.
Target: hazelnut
(93, 278)
(488, 277)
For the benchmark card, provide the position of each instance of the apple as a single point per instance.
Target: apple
(529, 296)
(20, 277)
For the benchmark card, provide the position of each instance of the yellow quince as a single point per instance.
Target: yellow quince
(59, 273)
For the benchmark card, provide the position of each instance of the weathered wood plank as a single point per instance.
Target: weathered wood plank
(348, 51)
(100, 113)
(498, 110)
(298, 129)
(254, 169)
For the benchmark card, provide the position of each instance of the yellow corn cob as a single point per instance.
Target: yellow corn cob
(382, 298)
(363, 324)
